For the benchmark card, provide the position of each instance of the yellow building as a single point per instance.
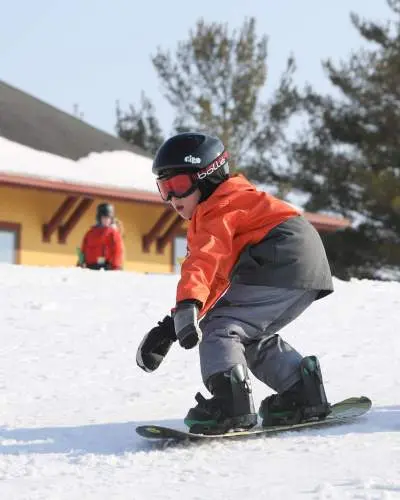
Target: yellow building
(44, 218)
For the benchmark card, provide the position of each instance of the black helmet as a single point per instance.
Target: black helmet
(193, 152)
(104, 210)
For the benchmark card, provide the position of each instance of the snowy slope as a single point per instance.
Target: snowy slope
(71, 394)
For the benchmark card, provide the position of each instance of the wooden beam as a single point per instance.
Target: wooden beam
(173, 229)
(323, 222)
(65, 229)
(49, 228)
(155, 231)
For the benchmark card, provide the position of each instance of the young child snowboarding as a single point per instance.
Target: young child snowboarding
(254, 264)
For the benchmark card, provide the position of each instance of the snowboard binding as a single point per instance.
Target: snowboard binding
(230, 408)
(305, 401)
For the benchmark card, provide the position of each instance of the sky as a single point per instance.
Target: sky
(91, 53)
(71, 396)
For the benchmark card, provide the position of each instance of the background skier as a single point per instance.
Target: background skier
(102, 246)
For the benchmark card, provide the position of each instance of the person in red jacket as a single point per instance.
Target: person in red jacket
(102, 246)
(253, 265)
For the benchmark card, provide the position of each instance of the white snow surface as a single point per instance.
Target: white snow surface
(71, 396)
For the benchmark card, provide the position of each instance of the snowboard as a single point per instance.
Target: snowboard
(341, 413)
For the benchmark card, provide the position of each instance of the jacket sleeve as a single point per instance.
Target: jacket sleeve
(208, 247)
(83, 249)
(84, 242)
(117, 253)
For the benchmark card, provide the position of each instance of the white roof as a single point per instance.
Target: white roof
(113, 169)
(123, 170)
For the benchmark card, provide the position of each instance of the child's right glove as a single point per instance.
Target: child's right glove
(187, 324)
(155, 345)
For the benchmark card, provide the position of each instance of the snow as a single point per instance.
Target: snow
(71, 395)
(294, 197)
(115, 169)
(390, 273)
(123, 170)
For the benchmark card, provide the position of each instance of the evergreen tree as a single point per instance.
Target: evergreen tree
(140, 127)
(214, 82)
(349, 157)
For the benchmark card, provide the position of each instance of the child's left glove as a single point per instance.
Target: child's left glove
(186, 323)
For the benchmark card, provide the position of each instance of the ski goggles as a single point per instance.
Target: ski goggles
(178, 186)
(185, 183)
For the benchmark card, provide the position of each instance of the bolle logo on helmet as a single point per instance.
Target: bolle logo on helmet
(219, 162)
(192, 159)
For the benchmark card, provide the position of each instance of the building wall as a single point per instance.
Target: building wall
(31, 209)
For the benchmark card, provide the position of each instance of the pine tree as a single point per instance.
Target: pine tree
(349, 157)
(140, 127)
(214, 82)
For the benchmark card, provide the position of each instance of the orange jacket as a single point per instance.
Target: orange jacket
(234, 216)
(103, 244)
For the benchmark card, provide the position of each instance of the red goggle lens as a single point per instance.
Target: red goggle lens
(179, 186)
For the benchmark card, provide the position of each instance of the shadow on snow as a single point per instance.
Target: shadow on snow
(120, 438)
(103, 439)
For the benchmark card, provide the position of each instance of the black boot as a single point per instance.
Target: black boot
(304, 401)
(230, 408)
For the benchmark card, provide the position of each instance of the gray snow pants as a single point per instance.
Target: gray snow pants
(241, 329)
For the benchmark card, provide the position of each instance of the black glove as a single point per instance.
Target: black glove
(186, 323)
(155, 345)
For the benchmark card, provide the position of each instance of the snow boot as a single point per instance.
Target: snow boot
(230, 408)
(304, 401)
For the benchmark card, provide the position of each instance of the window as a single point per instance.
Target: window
(180, 250)
(9, 243)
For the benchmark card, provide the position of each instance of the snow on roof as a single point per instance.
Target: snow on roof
(116, 169)
(121, 170)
